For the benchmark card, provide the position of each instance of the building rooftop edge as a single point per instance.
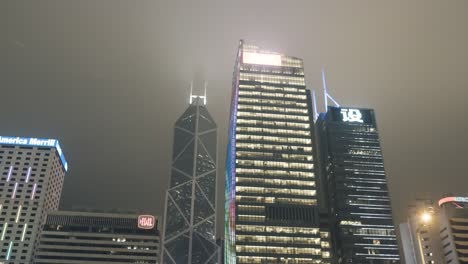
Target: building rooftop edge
(36, 142)
(98, 214)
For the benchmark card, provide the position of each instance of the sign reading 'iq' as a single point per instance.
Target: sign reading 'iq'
(146, 221)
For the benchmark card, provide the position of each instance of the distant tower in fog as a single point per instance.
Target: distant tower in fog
(190, 210)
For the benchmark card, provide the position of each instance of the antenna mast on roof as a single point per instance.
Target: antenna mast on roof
(197, 96)
(326, 95)
(314, 101)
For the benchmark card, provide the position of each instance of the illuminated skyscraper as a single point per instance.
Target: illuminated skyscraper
(32, 173)
(356, 187)
(190, 217)
(270, 206)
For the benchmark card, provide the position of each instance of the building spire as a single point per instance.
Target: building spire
(314, 101)
(197, 96)
(326, 95)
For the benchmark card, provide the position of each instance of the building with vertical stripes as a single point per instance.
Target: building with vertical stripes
(90, 237)
(271, 213)
(31, 178)
(355, 186)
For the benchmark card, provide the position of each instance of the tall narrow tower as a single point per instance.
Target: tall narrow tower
(356, 188)
(271, 203)
(190, 213)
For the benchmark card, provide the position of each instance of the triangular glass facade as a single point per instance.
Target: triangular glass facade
(189, 228)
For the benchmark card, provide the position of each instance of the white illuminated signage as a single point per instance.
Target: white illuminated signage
(461, 199)
(146, 221)
(352, 115)
(263, 59)
(37, 142)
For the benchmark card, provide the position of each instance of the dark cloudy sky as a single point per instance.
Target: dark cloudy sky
(108, 78)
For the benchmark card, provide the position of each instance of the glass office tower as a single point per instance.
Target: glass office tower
(190, 218)
(355, 182)
(270, 207)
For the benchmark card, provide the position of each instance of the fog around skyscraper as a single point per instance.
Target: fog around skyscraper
(108, 78)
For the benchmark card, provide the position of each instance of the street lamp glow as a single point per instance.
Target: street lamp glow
(426, 217)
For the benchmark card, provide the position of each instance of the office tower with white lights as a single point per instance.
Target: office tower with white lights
(32, 171)
(271, 213)
(96, 237)
(190, 212)
(355, 185)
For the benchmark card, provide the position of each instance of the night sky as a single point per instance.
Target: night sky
(109, 78)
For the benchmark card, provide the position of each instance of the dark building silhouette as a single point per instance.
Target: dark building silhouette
(190, 213)
(355, 187)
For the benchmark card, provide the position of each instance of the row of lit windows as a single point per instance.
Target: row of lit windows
(251, 218)
(276, 182)
(269, 78)
(291, 62)
(253, 122)
(368, 188)
(269, 155)
(274, 70)
(274, 191)
(273, 109)
(365, 152)
(299, 133)
(277, 164)
(254, 146)
(276, 102)
(279, 173)
(376, 163)
(277, 229)
(275, 200)
(381, 204)
(288, 260)
(361, 171)
(372, 231)
(251, 208)
(278, 239)
(305, 141)
(370, 197)
(274, 116)
(271, 88)
(350, 140)
(270, 94)
(367, 180)
(278, 250)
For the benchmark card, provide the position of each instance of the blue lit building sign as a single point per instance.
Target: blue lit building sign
(36, 142)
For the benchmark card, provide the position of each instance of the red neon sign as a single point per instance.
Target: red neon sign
(446, 200)
(453, 199)
(146, 222)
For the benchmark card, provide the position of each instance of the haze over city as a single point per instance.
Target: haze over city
(109, 79)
